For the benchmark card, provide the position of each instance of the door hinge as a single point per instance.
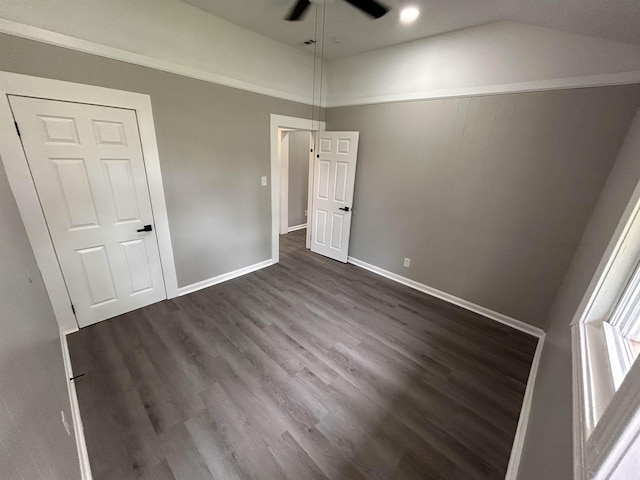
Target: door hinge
(17, 128)
(73, 309)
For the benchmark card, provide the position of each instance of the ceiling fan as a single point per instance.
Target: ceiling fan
(370, 7)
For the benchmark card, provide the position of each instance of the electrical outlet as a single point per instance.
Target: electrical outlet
(263, 181)
(305, 212)
(407, 262)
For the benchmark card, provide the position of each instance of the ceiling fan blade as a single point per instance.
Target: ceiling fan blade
(370, 7)
(298, 10)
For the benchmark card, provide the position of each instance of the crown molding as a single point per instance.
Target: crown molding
(66, 41)
(622, 78)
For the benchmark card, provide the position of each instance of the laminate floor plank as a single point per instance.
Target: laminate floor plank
(308, 369)
(157, 401)
(277, 424)
(183, 457)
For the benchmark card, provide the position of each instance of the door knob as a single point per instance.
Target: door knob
(146, 228)
(346, 209)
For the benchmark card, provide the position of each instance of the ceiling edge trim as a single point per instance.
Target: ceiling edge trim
(66, 41)
(61, 40)
(601, 80)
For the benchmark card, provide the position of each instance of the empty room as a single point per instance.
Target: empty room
(319, 239)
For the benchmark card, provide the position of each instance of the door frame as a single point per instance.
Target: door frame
(25, 193)
(278, 122)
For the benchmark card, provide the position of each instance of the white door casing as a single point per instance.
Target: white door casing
(89, 172)
(334, 180)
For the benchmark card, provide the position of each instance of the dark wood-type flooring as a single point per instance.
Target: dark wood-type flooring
(309, 369)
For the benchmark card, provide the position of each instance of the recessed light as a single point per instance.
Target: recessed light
(409, 14)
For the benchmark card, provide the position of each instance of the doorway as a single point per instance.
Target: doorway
(283, 130)
(295, 158)
(331, 181)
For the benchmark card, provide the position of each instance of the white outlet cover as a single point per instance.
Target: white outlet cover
(407, 262)
(263, 181)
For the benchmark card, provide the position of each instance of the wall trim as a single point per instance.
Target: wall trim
(24, 190)
(66, 41)
(485, 312)
(194, 287)
(297, 227)
(523, 420)
(525, 411)
(78, 429)
(603, 80)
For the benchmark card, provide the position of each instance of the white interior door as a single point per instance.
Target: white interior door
(88, 169)
(334, 179)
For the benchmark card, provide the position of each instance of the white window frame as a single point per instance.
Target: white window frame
(621, 356)
(606, 417)
(622, 326)
(24, 190)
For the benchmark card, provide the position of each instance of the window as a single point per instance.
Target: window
(605, 335)
(622, 330)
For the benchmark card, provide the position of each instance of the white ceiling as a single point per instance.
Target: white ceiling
(617, 20)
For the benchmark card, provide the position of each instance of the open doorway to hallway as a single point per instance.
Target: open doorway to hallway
(330, 186)
(281, 129)
(295, 161)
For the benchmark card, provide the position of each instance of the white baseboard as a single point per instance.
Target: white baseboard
(523, 420)
(485, 312)
(194, 287)
(518, 444)
(297, 227)
(85, 467)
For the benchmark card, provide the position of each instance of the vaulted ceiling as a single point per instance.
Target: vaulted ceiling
(348, 31)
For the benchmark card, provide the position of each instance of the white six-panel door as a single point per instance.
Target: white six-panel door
(88, 168)
(333, 183)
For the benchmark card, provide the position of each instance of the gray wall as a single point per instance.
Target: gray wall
(488, 196)
(33, 442)
(548, 448)
(491, 194)
(214, 147)
(298, 177)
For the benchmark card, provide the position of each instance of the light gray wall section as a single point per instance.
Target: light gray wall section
(548, 448)
(488, 195)
(298, 177)
(214, 147)
(33, 391)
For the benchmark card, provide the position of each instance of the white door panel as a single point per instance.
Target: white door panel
(334, 174)
(88, 168)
